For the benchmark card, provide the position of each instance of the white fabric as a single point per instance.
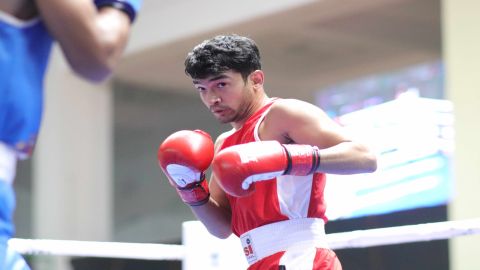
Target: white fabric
(257, 125)
(8, 163)
(299, 258)
(293, 193)
(296, 234)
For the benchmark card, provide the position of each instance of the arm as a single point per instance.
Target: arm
(183, 157)
(92, 40)
(303, 123)
(216, 214)
(312, 142)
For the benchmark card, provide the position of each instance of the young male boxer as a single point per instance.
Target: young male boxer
(268, 179)
(92, 35)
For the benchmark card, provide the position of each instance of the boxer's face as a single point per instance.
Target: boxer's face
(228, 96)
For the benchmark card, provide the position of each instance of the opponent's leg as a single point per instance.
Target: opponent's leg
(9, 259)
(7, 205)
(14, 261)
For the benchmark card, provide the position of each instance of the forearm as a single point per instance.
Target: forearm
(238, 167)
(347, 158)
(184, 156)
(92, 41)
(216, 219)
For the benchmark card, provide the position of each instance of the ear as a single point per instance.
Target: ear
(257, 78)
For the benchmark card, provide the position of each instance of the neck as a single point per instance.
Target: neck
(253, 107)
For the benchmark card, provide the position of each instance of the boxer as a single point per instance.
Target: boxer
(92, 35)
(269, 170)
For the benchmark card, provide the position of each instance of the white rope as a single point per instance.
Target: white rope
(403, 234)
(147, 251)
(142, 251)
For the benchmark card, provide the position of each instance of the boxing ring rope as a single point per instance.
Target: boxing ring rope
(403, 234)
(140, 251)
(151, 251)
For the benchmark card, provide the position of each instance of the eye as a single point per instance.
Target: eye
(200, 88)
(221, 84)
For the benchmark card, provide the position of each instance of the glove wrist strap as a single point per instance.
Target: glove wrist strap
(195, 194)
(122, 5)
(301, 159)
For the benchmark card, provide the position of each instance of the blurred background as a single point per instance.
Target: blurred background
(402, 74)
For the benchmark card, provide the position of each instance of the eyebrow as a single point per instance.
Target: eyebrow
(221, 76)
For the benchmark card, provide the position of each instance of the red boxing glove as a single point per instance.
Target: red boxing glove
(238, 167)
(183, 157)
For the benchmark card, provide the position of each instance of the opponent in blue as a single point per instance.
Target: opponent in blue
(28, 29)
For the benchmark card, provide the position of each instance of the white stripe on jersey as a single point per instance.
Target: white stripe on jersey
(293, 194)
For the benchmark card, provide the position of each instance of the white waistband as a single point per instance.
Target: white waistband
(8, 163)
(280, 236)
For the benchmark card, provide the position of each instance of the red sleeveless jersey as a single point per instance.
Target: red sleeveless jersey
(282, 198)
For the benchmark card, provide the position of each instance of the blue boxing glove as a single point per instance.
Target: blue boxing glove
(130, 7)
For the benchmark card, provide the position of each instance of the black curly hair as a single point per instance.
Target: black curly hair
(222, 53)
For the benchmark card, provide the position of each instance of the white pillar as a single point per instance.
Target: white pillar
(461, 42)
(72, 162)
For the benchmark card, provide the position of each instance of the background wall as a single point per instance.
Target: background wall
(145, 208)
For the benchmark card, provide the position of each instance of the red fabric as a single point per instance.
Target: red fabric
(325, 259)
(262, 207)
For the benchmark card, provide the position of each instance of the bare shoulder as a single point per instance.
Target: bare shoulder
(287, 111)
(293, 120)
(281, 118)
(284, 107)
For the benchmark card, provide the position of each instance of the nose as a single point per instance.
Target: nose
(214, 98)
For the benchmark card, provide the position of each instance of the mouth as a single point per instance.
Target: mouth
(217, 110)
